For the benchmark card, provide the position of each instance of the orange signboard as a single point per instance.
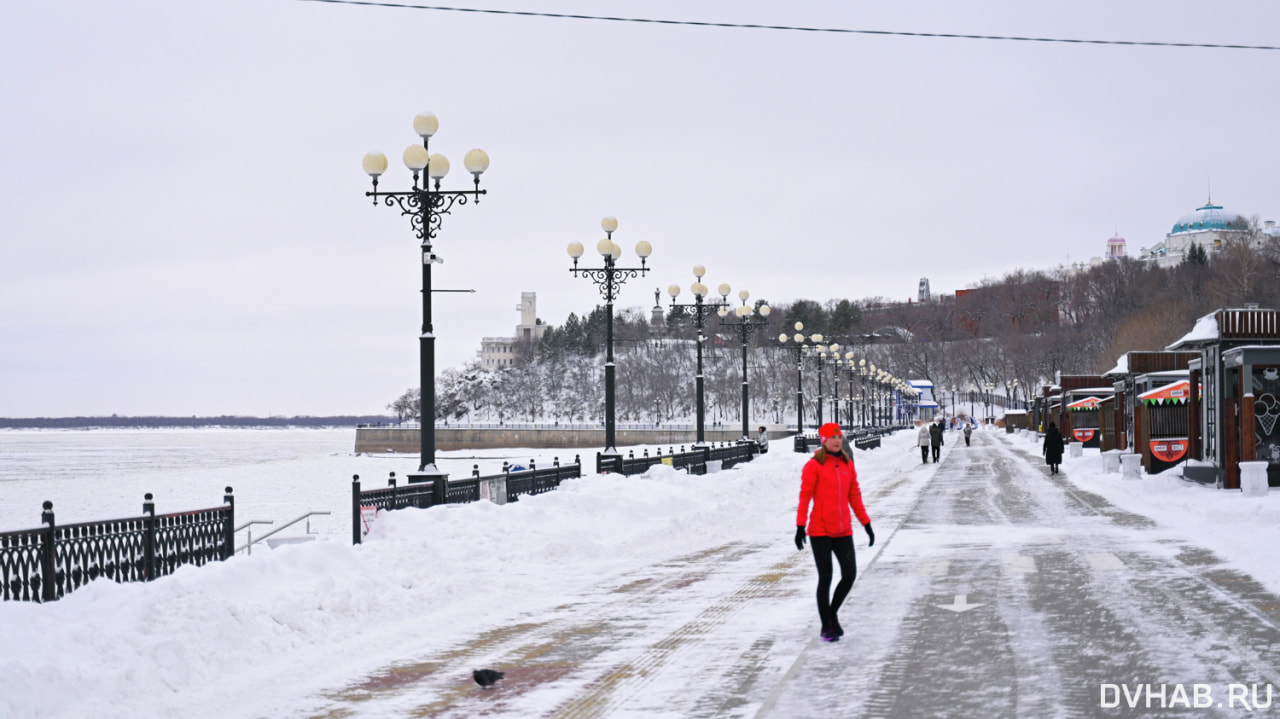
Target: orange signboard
(1083, 435)
(1175, 393)
(1086, 403)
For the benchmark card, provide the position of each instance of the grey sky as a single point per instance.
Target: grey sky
(184, 229)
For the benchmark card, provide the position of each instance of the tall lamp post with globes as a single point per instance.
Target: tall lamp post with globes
(699, 311)
(609, 279)
(800, 348)
(852, 367)
(425, 204)
(748, 320)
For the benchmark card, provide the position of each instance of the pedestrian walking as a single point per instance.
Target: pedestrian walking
(763, 440)
(968, 430)
(1053, 446)
(922, 439)
(935, 440)
(830, 482)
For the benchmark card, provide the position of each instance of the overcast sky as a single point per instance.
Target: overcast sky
(184, 227)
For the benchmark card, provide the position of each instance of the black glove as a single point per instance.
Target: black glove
(871, 536)
(800, 536)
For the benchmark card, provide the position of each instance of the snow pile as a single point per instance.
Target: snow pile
(304, 617)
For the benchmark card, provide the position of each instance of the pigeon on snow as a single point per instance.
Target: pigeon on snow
(486, 677)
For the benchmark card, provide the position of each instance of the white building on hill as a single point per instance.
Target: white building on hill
(501, 351)
(1210, 226)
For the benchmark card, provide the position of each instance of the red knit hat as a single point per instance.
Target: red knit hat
(829, 430)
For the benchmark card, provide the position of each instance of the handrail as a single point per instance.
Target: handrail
(255, 521)
(250, 523)
(249, 546)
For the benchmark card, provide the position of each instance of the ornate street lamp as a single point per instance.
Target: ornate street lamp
(699, 310)
(609, 280)
(986, 401)
(820, 352)
(852, 367)
(801, 349)
(748, 320)
(835, 389)
(426, 205)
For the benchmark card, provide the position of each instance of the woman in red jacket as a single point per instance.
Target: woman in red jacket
(830, 482)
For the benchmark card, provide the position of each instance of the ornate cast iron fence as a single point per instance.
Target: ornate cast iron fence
(42, 565)
(694, 461)
(868, 438)
(515, 482)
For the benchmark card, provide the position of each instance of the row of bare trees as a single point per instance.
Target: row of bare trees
(1014, 334)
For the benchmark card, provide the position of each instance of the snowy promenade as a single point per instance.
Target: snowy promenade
(994, 590)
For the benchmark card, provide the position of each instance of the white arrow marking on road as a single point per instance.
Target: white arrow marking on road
(961, 604)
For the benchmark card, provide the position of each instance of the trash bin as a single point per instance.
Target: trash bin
(1253, 478)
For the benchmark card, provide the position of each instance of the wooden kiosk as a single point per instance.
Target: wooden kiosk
(1162, 423)
(1238, 372)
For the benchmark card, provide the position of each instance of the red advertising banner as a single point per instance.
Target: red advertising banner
(1083, 435)
(1168, 450)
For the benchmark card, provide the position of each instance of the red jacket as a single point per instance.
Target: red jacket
(831, 483)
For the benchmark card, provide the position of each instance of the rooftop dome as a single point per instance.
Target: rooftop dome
(1209, 217)
(1117, 240)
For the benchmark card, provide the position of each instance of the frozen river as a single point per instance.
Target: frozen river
(276, 474)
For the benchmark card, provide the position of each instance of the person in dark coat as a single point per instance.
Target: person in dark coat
(1053, 447)
(935, 440)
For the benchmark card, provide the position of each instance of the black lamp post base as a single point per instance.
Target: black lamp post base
(427, 474)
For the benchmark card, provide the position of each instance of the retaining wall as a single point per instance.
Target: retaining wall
(377, 440)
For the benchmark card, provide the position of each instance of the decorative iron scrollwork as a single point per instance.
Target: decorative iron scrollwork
(426, 208)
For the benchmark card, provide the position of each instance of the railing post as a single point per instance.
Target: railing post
(395, 492)
(48, 556)
(439, 490)
(229, 548)
(355, 509)
(149, 539)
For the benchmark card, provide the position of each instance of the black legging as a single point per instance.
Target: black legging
(823, 548)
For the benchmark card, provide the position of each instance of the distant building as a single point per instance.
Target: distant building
(501, 351)
(1116, 248)
(1210, 226)
(924, 295)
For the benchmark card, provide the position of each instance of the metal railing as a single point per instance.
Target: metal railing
(693, 461)
(509, 486)
(863, 438)
(46, 564)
